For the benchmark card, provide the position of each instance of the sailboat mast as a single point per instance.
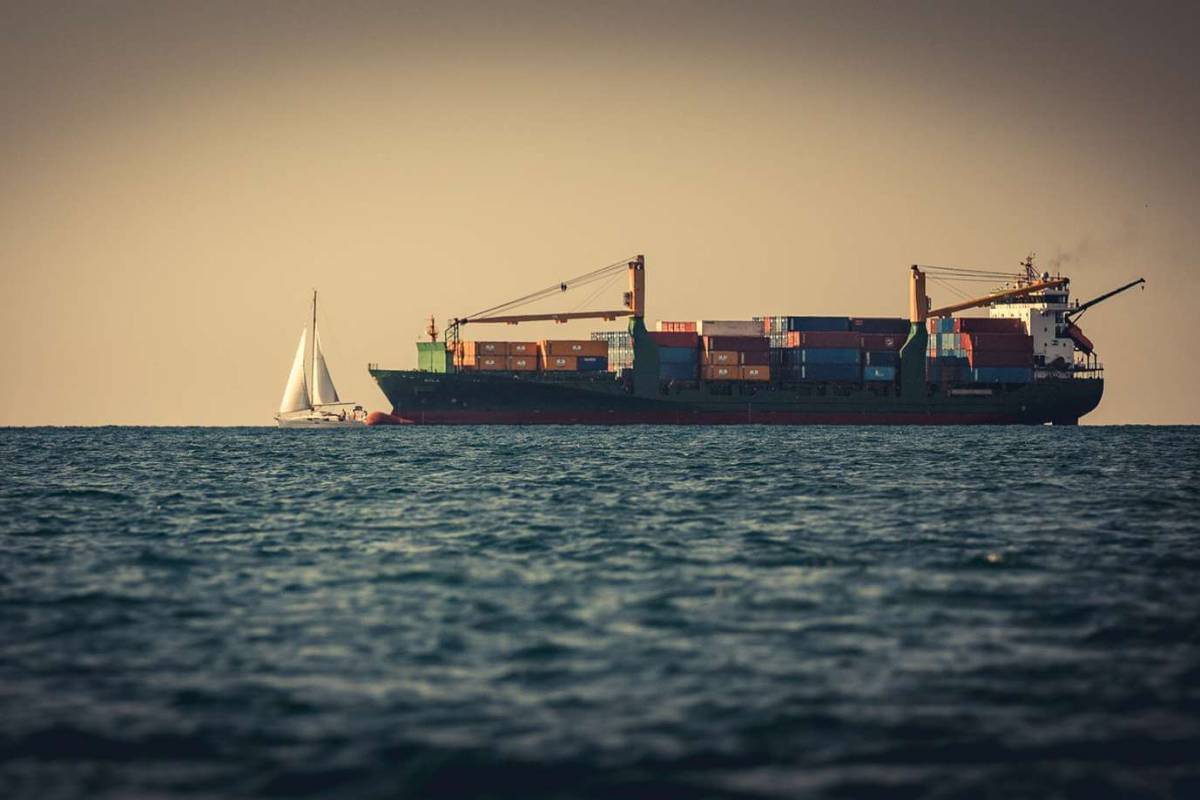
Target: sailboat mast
(313, 350)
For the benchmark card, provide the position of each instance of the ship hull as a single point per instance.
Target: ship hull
(425, 398)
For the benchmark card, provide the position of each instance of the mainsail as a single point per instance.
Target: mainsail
(295, 396)
(323, 391)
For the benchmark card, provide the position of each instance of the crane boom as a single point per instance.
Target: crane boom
(1020, 291)
(1074, 312)
(634, 300)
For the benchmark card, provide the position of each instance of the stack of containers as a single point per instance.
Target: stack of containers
(832, 355)
(998, 349)
(668, 326)
(947, 353)
(979, 350)
(735, 356)
(620, 348)
(678, 355)
(497, 356)
(881, 340)
(574, 355)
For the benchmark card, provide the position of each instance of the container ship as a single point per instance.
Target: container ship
(1027, 362)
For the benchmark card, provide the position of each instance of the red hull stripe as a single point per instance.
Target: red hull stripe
(690, 418)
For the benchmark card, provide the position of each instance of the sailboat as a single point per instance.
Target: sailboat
(322, 408)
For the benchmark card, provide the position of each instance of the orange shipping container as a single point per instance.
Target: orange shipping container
(490, 348)
(722, 357)
(574, 347)
(719, 373)
(522, 363)
(756, 373)
(492, 362)
(522, 348)
(559, 363)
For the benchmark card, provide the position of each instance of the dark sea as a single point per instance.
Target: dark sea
(577, 612)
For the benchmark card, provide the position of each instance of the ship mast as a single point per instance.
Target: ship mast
(313, 354)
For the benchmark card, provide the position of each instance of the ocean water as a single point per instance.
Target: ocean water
(600, 612)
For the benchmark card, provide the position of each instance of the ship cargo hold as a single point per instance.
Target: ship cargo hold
(1023, 364)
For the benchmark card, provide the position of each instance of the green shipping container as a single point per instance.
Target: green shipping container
(433, 357)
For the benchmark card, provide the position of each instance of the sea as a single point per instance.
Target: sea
(592, 612)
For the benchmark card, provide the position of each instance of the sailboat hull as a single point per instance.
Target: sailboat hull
(317, 422)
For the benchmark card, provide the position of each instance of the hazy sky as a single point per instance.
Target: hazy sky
(177, 177)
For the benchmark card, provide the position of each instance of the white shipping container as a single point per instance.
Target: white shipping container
(729, 327)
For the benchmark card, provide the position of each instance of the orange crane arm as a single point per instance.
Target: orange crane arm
(991, 298)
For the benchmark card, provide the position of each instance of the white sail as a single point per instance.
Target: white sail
(295, 396)
(323, 390)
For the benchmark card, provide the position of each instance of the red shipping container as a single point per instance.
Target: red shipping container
(759, 358)
(742, 343)
(999, 358)
(883, 341)
(674, 338)
(999, 342)
(677, 327)
(988, 325)
(821, 339)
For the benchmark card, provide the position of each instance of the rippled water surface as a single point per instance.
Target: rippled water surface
(595, 612)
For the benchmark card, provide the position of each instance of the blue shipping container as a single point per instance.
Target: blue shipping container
(882, 358)
(879, 325)
(818, 323)
(678, 355)
(1002, 375)
(879, 373)
(831, 355)
(591, 363)
(679, 372)
(832, 372)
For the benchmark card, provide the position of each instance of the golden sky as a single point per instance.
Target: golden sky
(177, 177)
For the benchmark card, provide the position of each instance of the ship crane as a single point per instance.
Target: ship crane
(918, 305)
(634, 300)
(1073, 331)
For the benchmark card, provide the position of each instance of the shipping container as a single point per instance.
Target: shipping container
(672, 326)
(832, 372)
(522, 363)
(433, 357)
(722, 373)
(879, 373)
(486, 348)
(722, 357)
(989, 325)
(830, 355)
(761, 358)
(719, 327)
(574, 347)
(491, 362)
(591, 363)
(558, 363)
(818, 323)
(999, 358)
(620, 348)
(883, 341)
(523, 348)
(895, 325)
(675, 339)
(740, 343)
(678, 355)
(1007, 342)
(812, 339)
(1002, 375)
(881, 358)
(755, 372)
(679, 372)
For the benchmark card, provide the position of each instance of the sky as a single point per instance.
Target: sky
(178, 177)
